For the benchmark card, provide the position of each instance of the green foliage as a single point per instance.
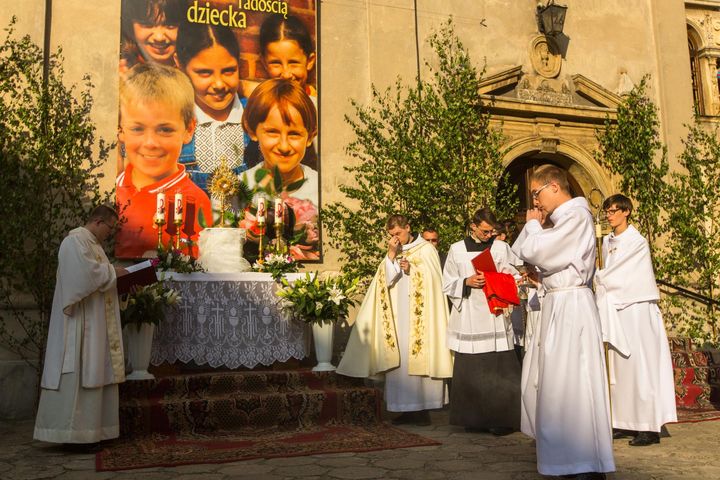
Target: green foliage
(318, 300)
(632, 149)
(147, 304)
(427, 151)
(692, 255)
(49, 183)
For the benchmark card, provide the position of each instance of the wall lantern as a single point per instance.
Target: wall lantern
(551, 18)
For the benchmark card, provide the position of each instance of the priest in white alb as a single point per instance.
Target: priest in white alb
(84, 360)
(642, 387)
(572, 417)
(400, 327)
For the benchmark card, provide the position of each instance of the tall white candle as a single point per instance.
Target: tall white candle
(178, 207)
(160, 206)
(278, 211)
(261, 211)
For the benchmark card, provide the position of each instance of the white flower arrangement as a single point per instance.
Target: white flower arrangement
(318, 300)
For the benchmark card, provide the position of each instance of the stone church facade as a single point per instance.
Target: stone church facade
(549, 96)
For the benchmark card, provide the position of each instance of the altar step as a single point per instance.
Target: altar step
(244, 401)
(697, 375)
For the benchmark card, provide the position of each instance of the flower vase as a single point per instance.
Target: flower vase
(139, 347)
(323, 340)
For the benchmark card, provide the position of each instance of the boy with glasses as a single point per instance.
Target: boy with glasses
(642, 388)
(572, 416)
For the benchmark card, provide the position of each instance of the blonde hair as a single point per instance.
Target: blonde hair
(152, 82)
(550, 173)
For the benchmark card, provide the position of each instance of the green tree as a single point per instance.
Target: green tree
(631, 148)
(427, 151)
(691, 257)
(49, 182)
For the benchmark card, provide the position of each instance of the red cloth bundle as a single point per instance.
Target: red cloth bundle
(501, 291)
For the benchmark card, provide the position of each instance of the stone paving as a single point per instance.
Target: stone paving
(691, 453)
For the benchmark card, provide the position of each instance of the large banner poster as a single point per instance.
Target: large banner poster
(211, 83)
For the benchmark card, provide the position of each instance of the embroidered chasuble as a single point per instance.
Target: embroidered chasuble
(374, 346)
(84, 358)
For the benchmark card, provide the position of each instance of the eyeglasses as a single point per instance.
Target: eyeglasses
(537, 192)
(111, 227)
(611, 211)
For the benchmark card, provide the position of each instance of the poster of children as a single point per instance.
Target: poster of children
(201, 83)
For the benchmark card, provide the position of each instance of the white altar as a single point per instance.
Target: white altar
(228, 320)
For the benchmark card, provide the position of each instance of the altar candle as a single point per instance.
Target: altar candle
(278, 211)
(178, 207)
(160, 207)
(261, 211)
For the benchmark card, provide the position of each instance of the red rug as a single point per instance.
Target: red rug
(692, 415)
(160, 450)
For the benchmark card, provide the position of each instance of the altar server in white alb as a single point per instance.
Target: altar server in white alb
(84, 359)
(532, 306)
(642, 387)
(485, 393)
(401, 325)
(572, 417)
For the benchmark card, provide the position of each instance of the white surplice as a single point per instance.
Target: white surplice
(84, 359)
(472, 328)
(572, 418)
(642, 387)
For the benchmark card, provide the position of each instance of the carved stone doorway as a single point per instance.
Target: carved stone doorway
(519, 172)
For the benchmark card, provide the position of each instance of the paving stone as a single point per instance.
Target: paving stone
(401, 463)
(87, 463)
(339, 462)
(290, 461)
(456, 465)
(27, 472)
(300, 470)
(245, 469)
(512, 467)
(417, 475)
(77, 475)
(357, 473)
(199, 476)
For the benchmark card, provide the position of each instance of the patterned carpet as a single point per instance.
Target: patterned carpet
(161, 450)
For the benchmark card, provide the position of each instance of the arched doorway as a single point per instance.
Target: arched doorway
(518, 173)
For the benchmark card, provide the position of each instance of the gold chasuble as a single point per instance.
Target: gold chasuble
(373, 344)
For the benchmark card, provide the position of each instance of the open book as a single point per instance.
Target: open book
(138, 275)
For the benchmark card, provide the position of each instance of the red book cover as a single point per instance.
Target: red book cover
(139, 275)
(483, 262)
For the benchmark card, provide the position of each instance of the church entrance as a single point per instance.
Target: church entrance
(520, 169)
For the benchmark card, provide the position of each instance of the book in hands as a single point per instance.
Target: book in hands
(484, 262)
(138, 276)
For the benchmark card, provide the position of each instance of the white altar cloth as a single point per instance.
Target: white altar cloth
(228, 320)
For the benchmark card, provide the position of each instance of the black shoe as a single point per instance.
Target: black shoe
(82, 448)
(622, 433)
(422, 418)
(500, 431)
(405, 418)
(475, 430)
(591, 476)
(664, 432)
(644, 439)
